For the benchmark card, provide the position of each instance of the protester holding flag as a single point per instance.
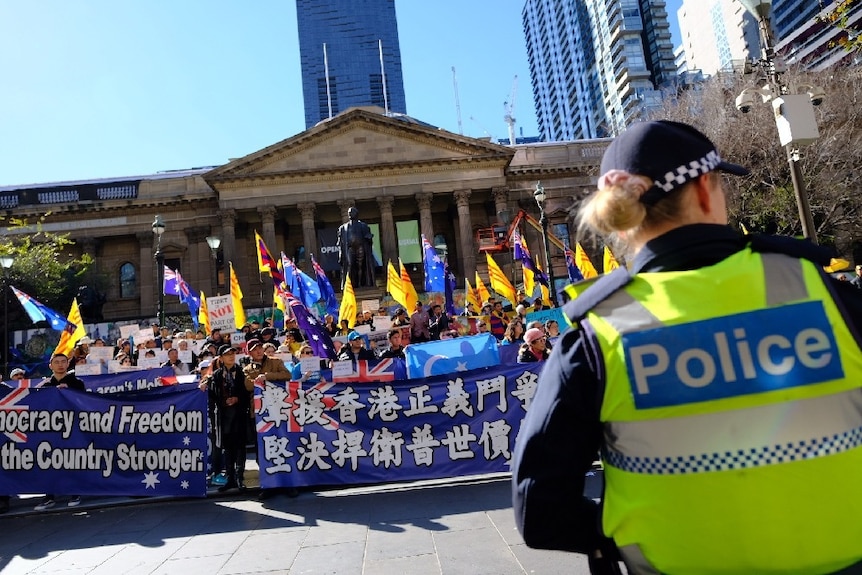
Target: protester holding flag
(230, 397)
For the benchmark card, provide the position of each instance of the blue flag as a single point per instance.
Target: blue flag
(317, 336)
(450, 356)
(435, 276)
(575, 274)
(309, 293)
(522, 254)
(39, 312)
(327, 293)
(190, 297)
(450, 289)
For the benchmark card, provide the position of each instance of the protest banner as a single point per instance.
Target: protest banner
(220, 312)
(347, 433)
(68, 442)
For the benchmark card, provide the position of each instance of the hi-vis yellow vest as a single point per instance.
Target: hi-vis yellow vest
(733, 420)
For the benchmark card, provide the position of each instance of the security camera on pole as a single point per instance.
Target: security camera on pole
(794, 112)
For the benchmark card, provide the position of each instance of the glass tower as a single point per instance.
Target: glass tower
(595, 63)
(353, 31)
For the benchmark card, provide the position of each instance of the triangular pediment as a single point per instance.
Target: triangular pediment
(357, 140)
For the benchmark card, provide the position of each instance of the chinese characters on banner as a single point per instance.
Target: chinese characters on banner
(345, 433)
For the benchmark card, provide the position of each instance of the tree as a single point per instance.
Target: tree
(43, 267)
(832, 165)
(839, 16)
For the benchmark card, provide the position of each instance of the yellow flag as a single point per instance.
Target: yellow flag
(393, 285)
(610, 262)
(472, 296)
(481, 290)
(835, 265)
(236, 300)
(204, 314)
(347, 310)
(68, 340)
(499, 282)
(410, 295)
(582, 260)
(277, 300)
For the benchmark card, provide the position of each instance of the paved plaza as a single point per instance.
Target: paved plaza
(452, 527)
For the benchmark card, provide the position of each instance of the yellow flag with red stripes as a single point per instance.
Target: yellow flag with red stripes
(236, 300)
(582, 260)
(481, 290)
(499, 282)
(472, 296)
(609, 262)
(395, 286)
(410, 295)
(347, 310)
(204, 314)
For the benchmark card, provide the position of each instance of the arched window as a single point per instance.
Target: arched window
(128, 280)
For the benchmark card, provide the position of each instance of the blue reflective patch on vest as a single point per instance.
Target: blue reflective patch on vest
(729, 356)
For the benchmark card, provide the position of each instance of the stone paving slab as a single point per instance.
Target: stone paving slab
(462, 526)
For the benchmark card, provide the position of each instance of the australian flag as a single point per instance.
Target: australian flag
(327, 294)
(526, 258)
(190, 297)
(39, 312)
(171, 285)
(435, 275)
(316, 335)
(450, 289)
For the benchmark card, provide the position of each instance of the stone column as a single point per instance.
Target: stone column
(147, 278)
(345, 205)
(267, 232)
(465, 228)
(426, 226)
(197, 266)
(501, 201)
(309, 236)
(388, 241)
(228, 241)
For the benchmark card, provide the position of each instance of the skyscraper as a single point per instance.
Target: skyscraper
(595, 63)
(790, 15)
(717, 35)
(353, 32)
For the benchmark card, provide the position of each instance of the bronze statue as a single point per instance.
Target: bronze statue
(354, 251)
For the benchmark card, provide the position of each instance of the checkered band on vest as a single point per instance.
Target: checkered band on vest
(688, 172)
(739, 459)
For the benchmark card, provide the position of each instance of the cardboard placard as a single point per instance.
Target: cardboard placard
(220, 312)
(382, 323)
(127, 331)
(371, 305)
(342, 369)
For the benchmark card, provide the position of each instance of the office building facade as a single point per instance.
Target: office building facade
(595, 64)
(354, 32)
(717, 36)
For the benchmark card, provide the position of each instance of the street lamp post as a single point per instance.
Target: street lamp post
(159, 229)
(6, 261)
(539, 195)
(794, 114)
(214, 242)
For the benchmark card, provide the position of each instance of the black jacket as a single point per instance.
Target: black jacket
(561, 434)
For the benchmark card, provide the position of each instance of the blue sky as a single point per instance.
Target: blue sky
(103, 88)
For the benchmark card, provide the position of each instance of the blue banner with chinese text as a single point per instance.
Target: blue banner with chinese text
(342, 433)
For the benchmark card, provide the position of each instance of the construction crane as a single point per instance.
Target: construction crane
(487, 133)
(457, 102)
(509, 111)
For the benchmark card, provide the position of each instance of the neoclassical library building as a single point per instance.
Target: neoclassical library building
(406, 179)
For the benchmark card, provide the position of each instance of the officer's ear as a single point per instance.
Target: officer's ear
(704, 188)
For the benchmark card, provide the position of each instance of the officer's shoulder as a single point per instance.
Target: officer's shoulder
(592, 292)
(793, 247)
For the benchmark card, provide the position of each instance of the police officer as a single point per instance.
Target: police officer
(720, 379)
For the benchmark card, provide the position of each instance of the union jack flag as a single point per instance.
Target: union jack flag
(303, 406)
(10, 403)
(370, 371)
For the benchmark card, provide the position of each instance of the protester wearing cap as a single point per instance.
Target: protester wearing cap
(17, 374)
(694, 374)
(534, 347)
(231, 408)
(857, 279)
(355, 349)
